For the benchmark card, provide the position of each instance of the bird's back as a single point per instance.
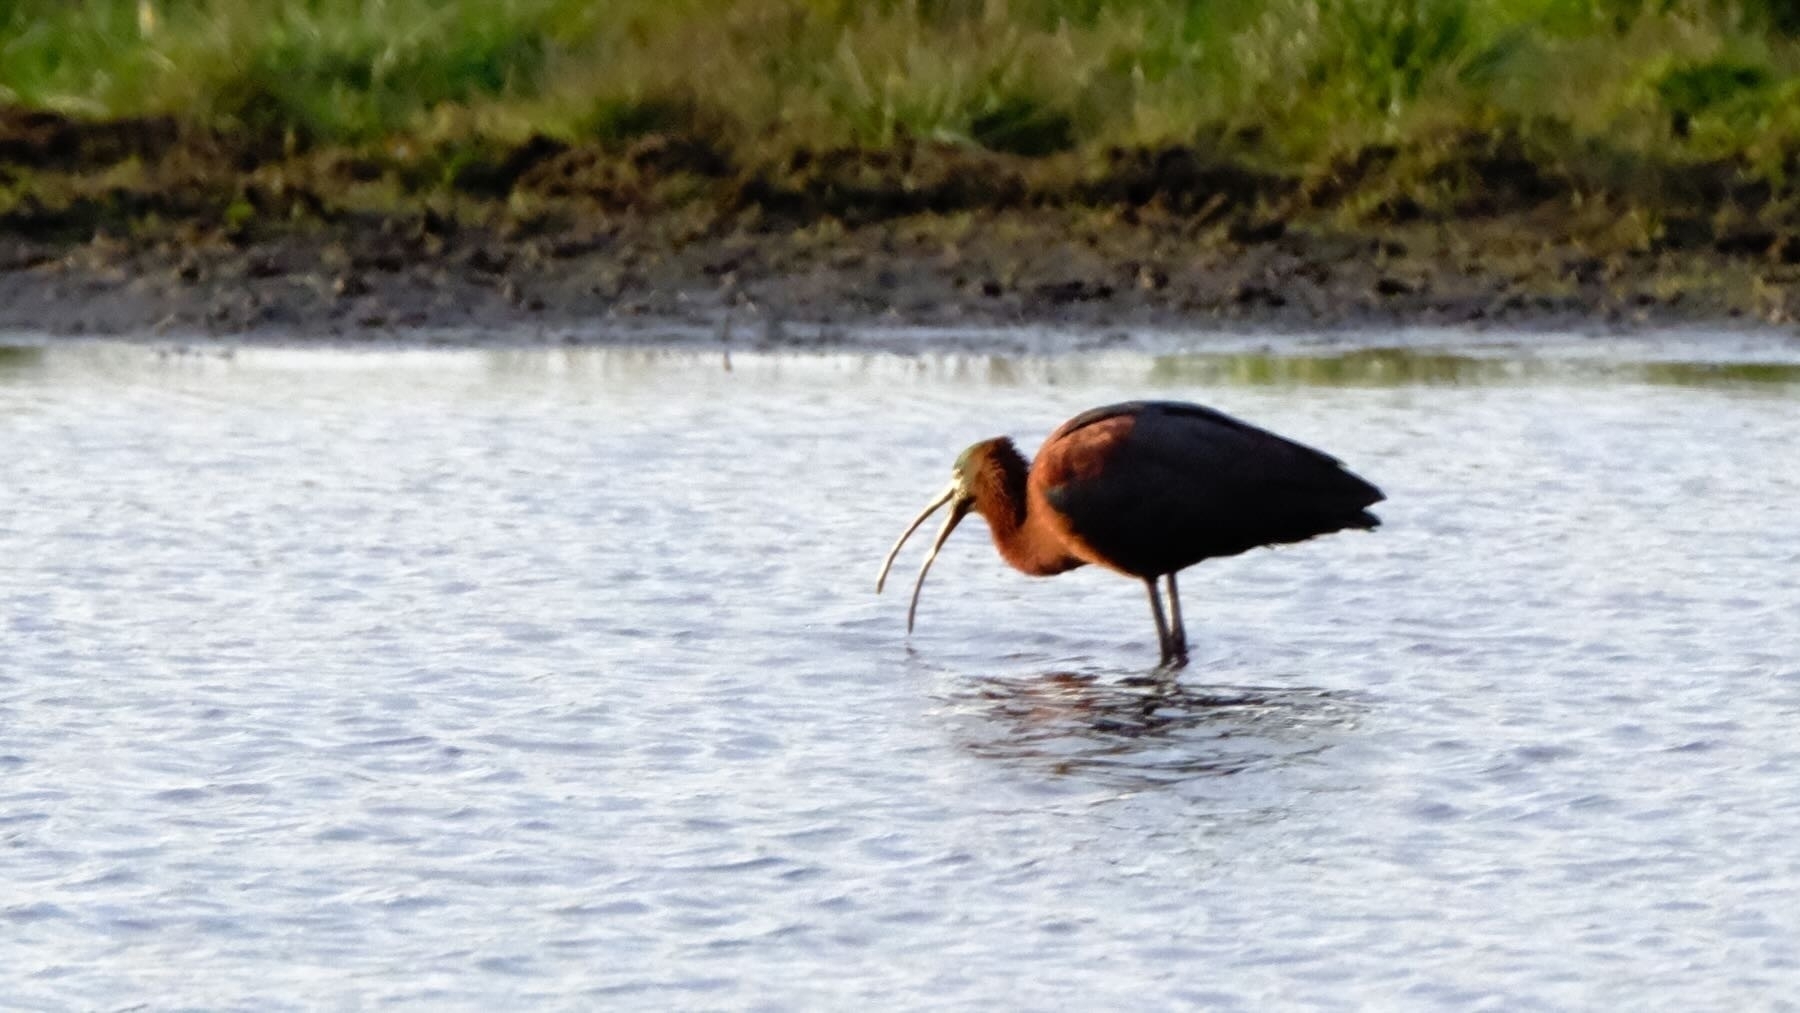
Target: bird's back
(1151, 487)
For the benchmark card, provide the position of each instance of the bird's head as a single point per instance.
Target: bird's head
(969, 472)
(966, 477)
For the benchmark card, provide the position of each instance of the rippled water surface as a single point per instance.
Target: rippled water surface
(557, 678)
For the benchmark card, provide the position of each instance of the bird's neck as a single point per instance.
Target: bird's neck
(1023, 535)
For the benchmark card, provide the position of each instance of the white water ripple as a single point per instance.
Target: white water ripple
(556, 678)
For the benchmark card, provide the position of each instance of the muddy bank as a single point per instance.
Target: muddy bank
(383, 280)
(137, 226)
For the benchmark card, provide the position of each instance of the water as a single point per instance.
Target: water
(557, 679)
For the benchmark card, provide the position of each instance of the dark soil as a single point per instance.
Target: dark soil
(133, 226)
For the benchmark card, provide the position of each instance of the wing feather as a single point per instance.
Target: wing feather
(1156, 486)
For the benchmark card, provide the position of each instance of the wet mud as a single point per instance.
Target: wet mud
(146, 225)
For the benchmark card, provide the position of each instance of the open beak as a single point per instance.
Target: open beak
(959, 508)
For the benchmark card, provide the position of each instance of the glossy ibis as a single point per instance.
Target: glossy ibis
(1146, 488)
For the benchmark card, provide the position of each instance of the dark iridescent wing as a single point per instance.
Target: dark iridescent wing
(1158, 485)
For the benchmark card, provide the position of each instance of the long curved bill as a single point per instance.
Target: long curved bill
(959, 508)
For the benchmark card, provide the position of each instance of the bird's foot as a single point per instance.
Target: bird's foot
(1174, 653)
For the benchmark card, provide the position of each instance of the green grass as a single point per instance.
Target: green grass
(1296, 84)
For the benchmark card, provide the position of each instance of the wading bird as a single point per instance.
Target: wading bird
(1147, 489)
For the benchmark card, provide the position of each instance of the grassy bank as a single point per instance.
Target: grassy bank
(1292, 83)
(1555, 148)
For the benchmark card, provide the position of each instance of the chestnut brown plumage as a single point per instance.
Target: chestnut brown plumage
(1147, 489)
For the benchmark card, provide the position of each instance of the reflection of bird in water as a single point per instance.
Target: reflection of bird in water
(1149, 731)
(1146, 488)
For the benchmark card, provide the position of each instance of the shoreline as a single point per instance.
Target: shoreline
(1551, 344)
(1038, 271)
(113, 228)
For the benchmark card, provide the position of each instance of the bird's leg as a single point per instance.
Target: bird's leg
(1177, 632)
(1162, 626)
